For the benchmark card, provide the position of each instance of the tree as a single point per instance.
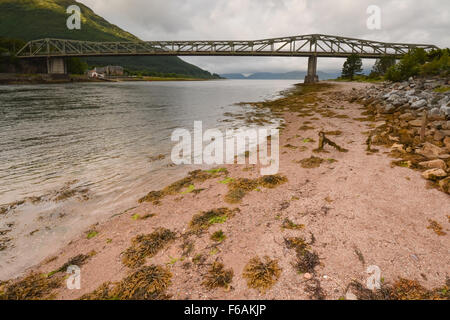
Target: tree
(76, 66)
(381, 66)
(352, 66)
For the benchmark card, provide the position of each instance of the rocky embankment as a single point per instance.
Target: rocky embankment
(413, 119)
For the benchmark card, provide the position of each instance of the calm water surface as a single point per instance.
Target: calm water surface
(79, 153)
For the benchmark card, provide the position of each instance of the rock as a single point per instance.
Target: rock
(434, 164)
(415, 123)
(307, 276)
(419, 104)
(434, 112)
(350, 296)
(430, 151)
(386, 109)
(445, 111)
(438, 136)
(387, 95)
(445, 184)
(407, 116)
(447, 143)
(434, 174)
(397, 147)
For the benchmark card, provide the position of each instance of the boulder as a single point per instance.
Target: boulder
(447, 143)
(419, 104)
(397, 147)
(386, 109)
(430, 151)
(434, 174)
(407, 116)
(434, 112)
(445, 111)
(415, 123)
(438, 136)
(434, 164)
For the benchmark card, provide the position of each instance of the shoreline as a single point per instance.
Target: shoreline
(23, 79)
(351, 210)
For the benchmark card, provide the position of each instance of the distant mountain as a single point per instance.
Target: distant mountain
(36, 19)
(293, 75)
(233, 76)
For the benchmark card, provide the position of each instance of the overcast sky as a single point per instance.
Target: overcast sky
(414, 21)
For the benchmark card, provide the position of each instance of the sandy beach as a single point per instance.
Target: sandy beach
(349, 210)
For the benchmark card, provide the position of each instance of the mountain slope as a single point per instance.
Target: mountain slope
(292, 75)
(36, 19)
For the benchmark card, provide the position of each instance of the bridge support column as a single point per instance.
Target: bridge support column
(312, 76)
(56, 66)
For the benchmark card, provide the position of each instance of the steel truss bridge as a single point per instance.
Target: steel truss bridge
(312, 46)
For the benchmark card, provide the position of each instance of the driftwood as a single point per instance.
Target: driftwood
(323, 140)
(424, 126)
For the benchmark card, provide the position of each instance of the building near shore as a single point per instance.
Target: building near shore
(95, 74)
(110, 70)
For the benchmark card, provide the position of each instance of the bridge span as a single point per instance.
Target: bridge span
(312, 46)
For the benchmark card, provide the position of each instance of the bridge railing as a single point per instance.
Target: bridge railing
(306, 45)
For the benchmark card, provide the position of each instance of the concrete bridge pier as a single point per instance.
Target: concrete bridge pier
(312, 76)
(56, 66)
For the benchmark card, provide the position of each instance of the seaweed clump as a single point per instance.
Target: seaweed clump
(148, 283)
(144, 246)
(306, 260)
(288, 224)
(33, 287)
(262, 275)
(240, 187)
(203, 220)
(402, 289)
(176, 187)
(311, 162)
(436, 227)
(218, 276)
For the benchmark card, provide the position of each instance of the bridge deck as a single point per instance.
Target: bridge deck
(297, 46)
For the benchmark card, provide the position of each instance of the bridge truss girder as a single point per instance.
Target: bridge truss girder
(297, 46)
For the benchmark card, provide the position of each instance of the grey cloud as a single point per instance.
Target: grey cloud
(402, 21)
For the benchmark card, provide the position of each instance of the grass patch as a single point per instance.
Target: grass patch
(137, 216)
(144, 246)
(262, 274)
(218, 236)
(91, 234)
(442, 89)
